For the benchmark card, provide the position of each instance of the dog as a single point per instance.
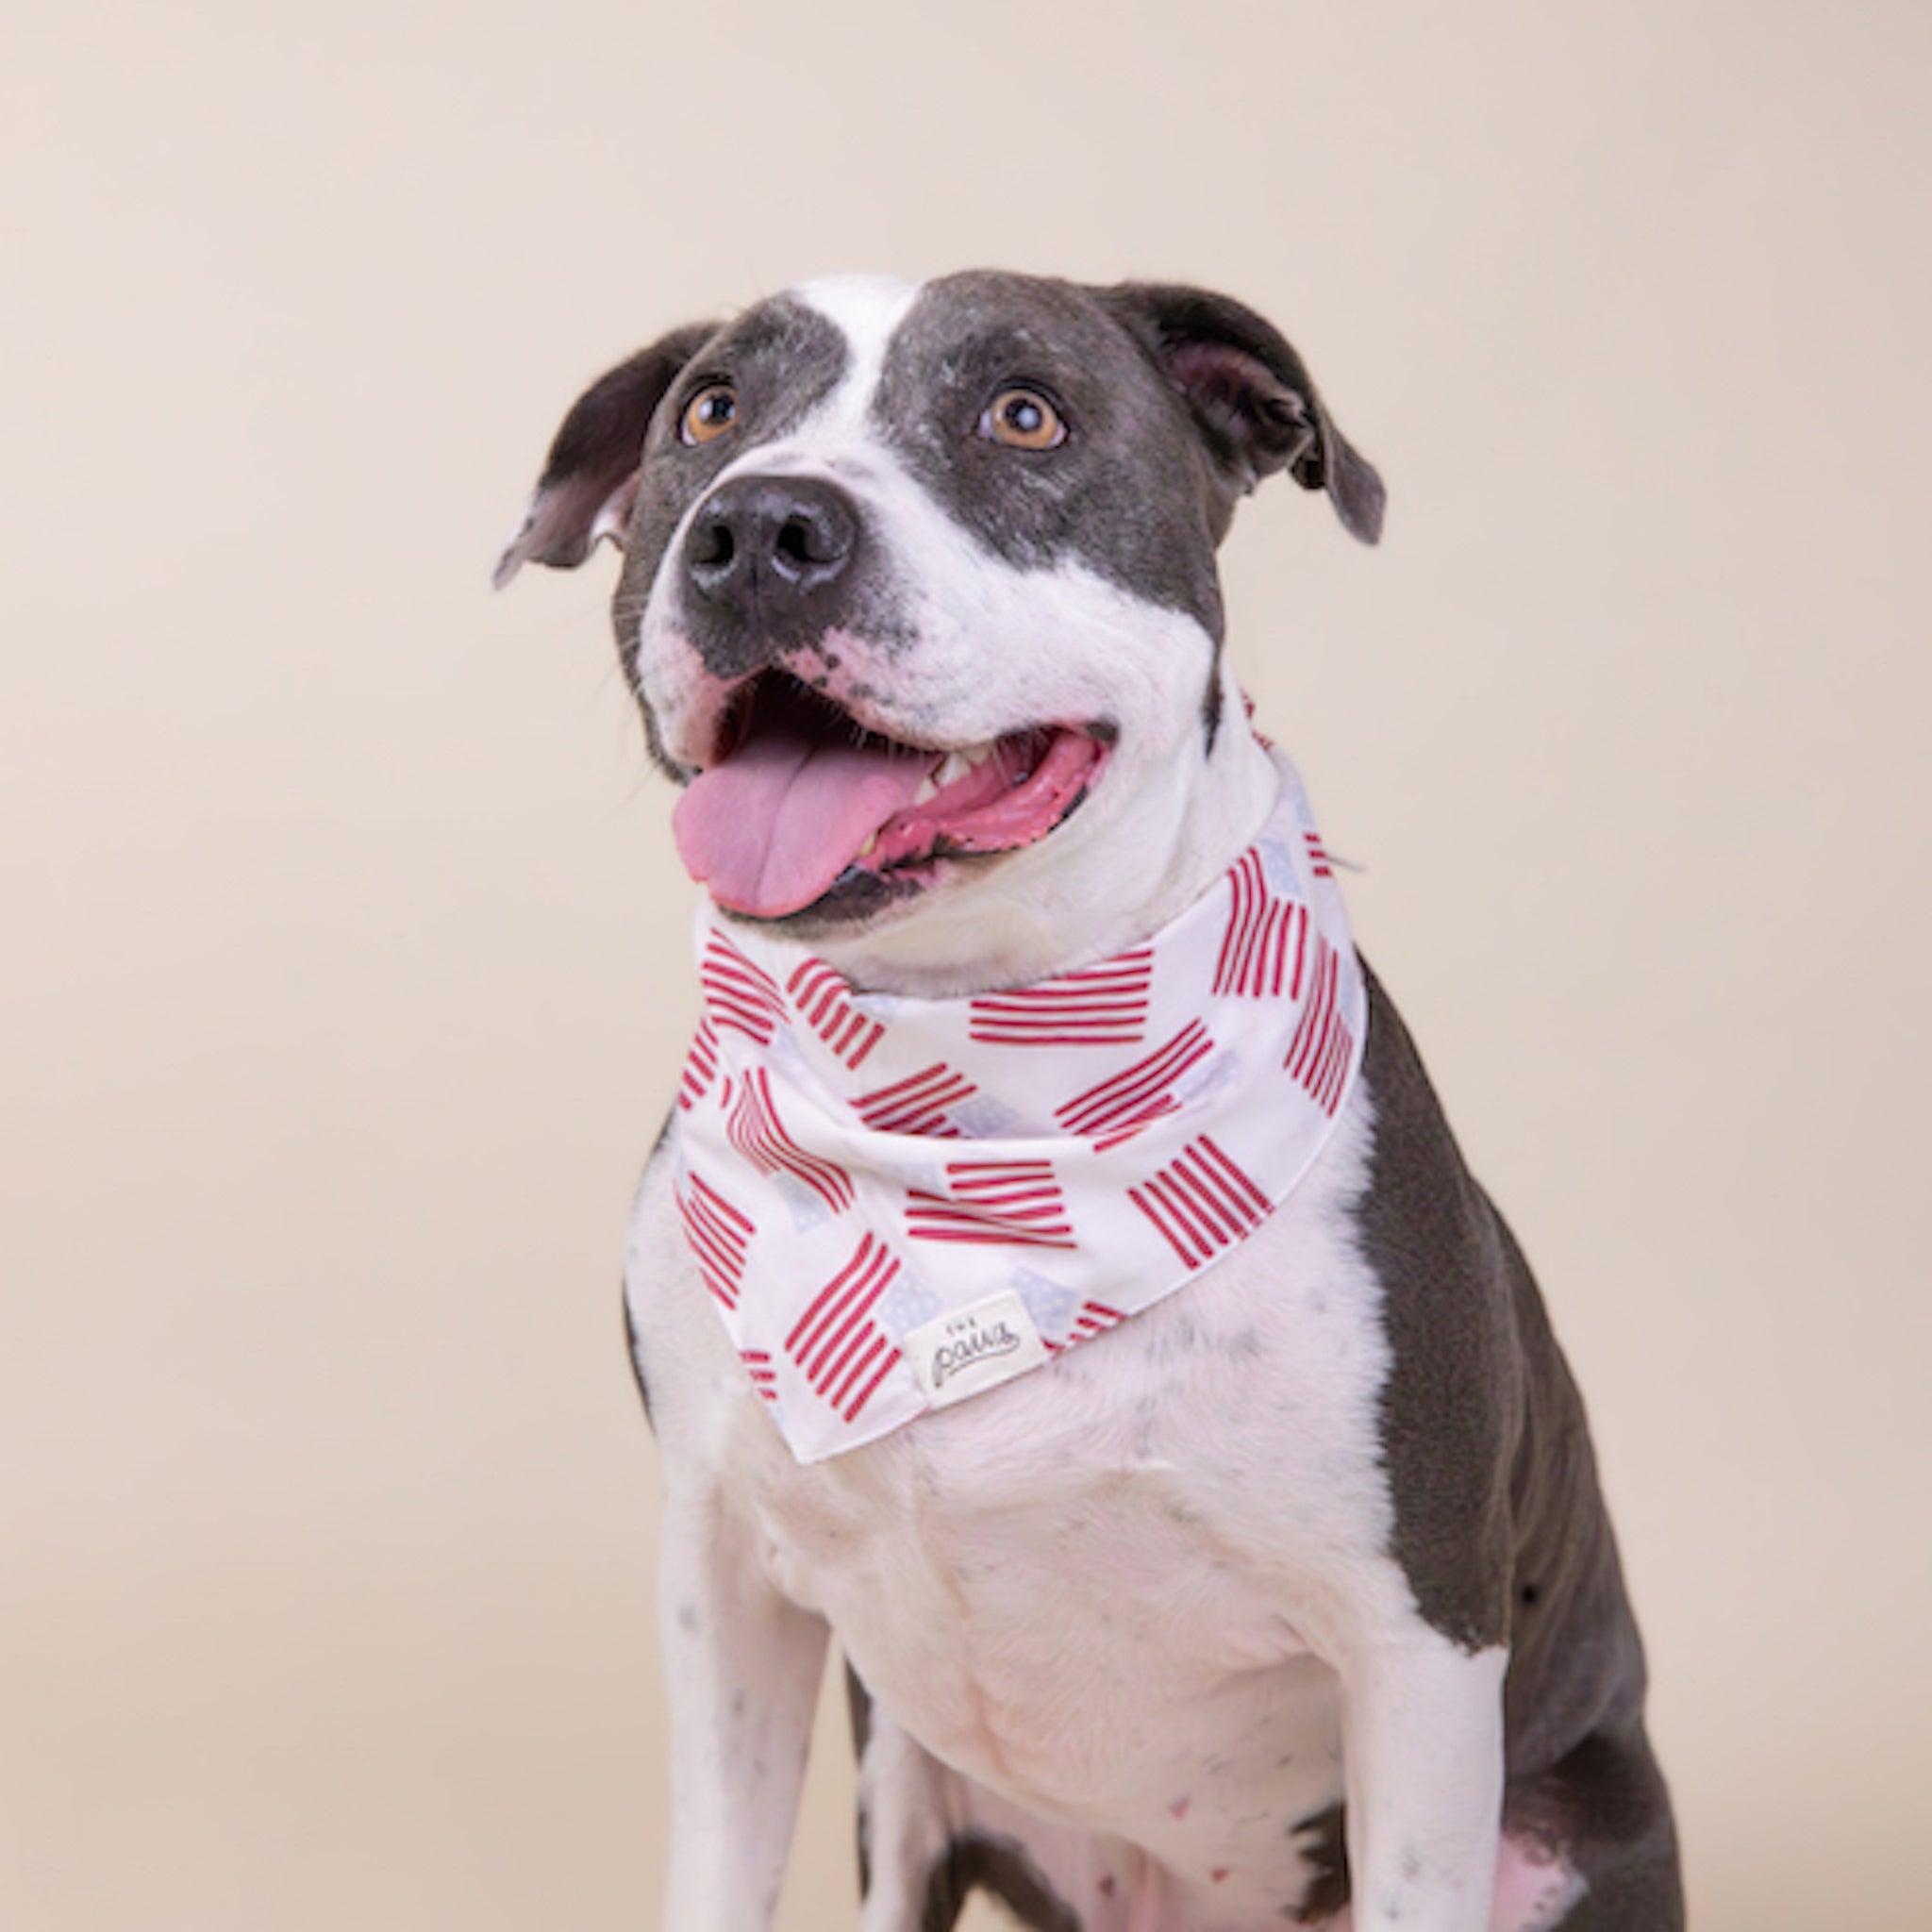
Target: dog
(1289, 1595)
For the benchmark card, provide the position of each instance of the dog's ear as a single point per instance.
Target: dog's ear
(590, 478)
(1250, 395)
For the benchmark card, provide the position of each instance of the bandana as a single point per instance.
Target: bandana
(896, 1203)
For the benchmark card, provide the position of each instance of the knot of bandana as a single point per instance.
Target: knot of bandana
(896, 1203)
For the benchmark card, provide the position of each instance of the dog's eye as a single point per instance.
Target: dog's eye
(710, 413)
(1023, 418)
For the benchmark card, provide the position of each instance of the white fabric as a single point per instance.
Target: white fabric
(895, 1202)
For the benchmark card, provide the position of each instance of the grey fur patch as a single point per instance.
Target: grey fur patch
(1607, 1808)
(783, 358)
(1325, 1847)
(636, 1361)
(1452, 1406)
(1500, 1523)
(976, 1861)
(1127, 494)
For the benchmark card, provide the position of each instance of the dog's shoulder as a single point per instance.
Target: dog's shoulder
(1453, 1290)
(1499, 1524)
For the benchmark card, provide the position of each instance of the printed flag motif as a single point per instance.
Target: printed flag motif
(737, 993)
(1323, 1048)
(1096, 1318)
(1200, 1202)
(853, 1169)
(918, 1104)
(718, 1234)
(1261, 951)
(995, 1202)
(823, 995)
(1118, 1107)
(1103, 1005)
(755, 1130)
(842, 1354)
(700, 1066)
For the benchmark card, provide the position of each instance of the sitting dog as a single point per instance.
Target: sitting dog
(1057, 1278)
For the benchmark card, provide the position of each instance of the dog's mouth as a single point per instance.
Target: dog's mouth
(802, 804)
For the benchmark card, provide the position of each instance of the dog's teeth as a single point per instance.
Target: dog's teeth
(955, 768)
(979, 755)
(865, 851)
(928, 788)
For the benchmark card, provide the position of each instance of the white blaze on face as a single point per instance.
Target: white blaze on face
(867, 311)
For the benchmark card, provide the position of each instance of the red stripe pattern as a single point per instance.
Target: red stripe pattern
(1002, 1202)
(759, 1135)
(1261, 950)
(1103, 1005)
(824, 995)
(700, 1066)
(918, 1104)
(1116, 1108)
(1319, 1055)
(1096, 1318)
(1318, 855)
(738, 995)
(718, 1234)
(1200, 1202)
(838, 1347)
(758, 1362)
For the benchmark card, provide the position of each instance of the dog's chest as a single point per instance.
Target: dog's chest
(1087, 1589)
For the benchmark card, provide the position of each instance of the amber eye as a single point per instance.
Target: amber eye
(1023, 419)
(710, 413)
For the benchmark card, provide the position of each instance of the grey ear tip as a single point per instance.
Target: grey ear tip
(1360, 500)
(516, 553)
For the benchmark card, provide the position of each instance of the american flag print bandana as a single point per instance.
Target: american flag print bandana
(895, 1202)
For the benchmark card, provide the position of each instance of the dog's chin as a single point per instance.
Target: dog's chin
(862, 902)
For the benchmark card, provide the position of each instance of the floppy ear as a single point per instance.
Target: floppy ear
(1251, 397)
(590, 478)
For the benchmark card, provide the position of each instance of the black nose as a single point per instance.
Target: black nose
(771, 544)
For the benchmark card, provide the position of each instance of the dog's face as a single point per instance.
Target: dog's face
(918, 592)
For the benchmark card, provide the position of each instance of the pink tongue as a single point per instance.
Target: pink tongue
(770, 829)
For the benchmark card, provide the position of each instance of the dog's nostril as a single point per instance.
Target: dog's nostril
(757, 538)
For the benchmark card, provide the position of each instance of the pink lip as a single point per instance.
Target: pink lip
(988, 811)
(801, 793)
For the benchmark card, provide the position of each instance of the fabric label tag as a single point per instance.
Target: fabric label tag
(978, 1347)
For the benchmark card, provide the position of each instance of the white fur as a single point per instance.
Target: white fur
(1144, 1594)
(867, 309)
(1135, 1611)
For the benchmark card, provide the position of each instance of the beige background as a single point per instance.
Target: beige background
(344, 961)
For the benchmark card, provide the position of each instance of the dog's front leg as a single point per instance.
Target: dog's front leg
(742, 1666)
(1423, 1754)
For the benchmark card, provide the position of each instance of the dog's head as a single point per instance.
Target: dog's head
(912, 572)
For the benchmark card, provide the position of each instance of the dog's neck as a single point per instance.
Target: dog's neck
(1150, 843)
